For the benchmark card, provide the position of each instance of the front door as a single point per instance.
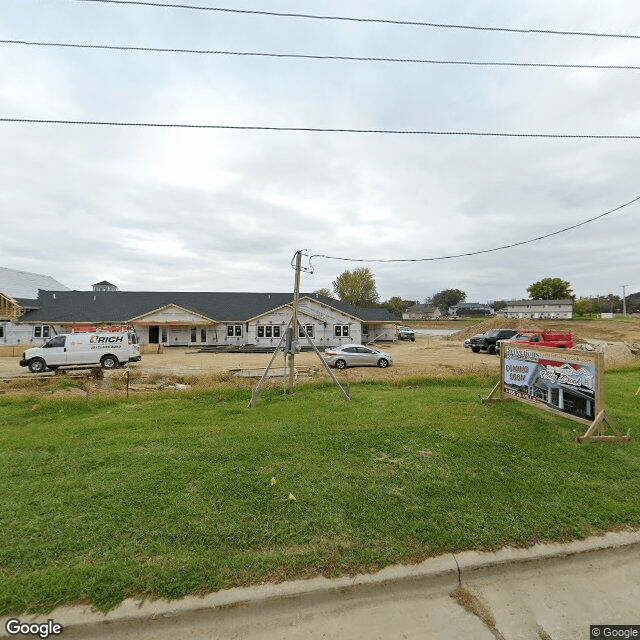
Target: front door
(154, 334)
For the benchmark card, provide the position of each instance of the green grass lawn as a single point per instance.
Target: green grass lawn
(163, 496)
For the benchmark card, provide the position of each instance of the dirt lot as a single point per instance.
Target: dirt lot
(427, 356)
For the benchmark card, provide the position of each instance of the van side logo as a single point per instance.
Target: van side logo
(103, 339)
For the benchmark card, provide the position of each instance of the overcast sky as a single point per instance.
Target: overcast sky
(211, 210)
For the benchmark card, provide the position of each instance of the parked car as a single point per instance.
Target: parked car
(487, 341)
(406, 333)
(356, 355)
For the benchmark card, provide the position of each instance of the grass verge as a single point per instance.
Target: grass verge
(160, 497)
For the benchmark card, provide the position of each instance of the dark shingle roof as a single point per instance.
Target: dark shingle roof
(122, 306)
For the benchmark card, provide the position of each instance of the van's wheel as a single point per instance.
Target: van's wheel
(109, 362)
(37, 365)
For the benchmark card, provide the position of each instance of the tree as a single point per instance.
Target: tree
(397, 305)
(448, 298)
(581, 307)
(357, 287)
(324, 292)
(499, 304)
(550, 289)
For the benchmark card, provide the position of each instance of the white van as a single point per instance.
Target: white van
(108, 349)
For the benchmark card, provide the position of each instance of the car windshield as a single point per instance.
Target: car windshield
(492, 334)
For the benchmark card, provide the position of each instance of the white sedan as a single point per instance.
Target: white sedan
(356, 355)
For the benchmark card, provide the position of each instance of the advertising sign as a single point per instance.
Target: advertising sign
(560, 380)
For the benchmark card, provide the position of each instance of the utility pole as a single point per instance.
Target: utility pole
(294, 322)
(624, 299)
(291, 343)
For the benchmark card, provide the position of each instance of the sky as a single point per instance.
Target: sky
(195, 209)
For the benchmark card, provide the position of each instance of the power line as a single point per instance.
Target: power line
(435, 25)
(305, 56)
(403, 132)
(479, 252)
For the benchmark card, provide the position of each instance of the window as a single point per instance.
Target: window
(194, 333)
(41, 331)
(308, 328)
(341, 330)
(268, 331)
(1, 331)
(164, 334)
(203, 335)
(58, 341)
(234, 330)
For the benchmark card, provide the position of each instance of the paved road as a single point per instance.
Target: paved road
(548, 592)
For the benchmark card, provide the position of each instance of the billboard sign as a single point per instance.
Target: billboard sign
(563, 381)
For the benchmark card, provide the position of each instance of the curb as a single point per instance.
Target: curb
(446, 571)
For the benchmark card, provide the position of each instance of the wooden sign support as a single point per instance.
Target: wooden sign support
(596, 431)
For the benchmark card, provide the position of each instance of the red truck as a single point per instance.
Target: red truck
(558, 339)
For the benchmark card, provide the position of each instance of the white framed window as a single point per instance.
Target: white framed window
(234, 330)
(269, 331)
(41, 331)
(1, 331)
(164, 334)
(203, 335)
(308, 328)
(194, 334)
(341, 331)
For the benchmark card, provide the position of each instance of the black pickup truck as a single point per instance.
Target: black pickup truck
(487, 341)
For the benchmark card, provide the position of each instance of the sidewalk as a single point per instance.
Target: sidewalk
(548, 591)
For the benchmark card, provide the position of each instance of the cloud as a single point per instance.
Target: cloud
(225, 210)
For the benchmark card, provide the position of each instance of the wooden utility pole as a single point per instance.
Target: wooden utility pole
(294, 322)
(291, 343)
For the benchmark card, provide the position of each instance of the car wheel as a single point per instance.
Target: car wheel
(109, 362)
(475, 349)
(492, 350)
(383, 363)
(37, 365)
(341, 364)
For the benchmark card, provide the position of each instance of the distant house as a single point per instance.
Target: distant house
(18, 295)
(104, 286)
(554, 309)
(421, 312)
(218, 318)
(464, 309)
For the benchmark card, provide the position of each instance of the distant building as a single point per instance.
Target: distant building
(19, 295)
(104, 286)
(422, 312)
(464, 309)
(182, 318)
(553, 309)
